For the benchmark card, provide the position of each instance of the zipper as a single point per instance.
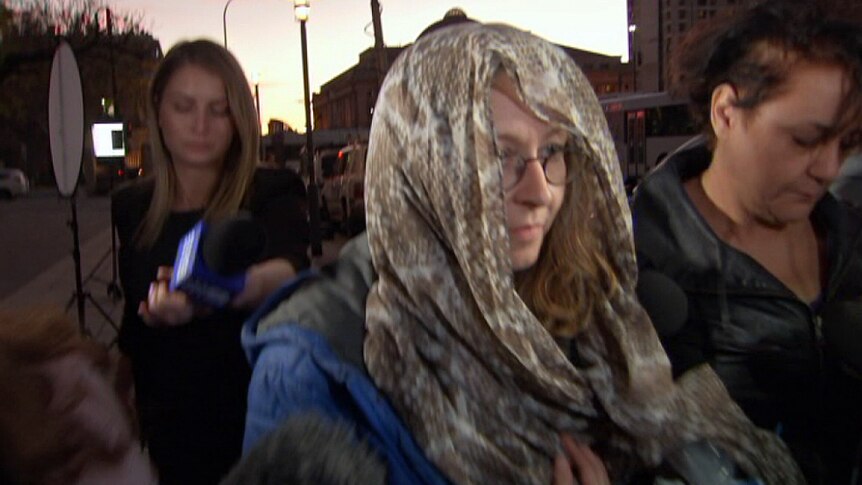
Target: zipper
(818, 331)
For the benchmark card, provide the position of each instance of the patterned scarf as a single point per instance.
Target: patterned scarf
(477, 378)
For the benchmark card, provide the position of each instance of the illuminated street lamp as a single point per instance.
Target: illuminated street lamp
(633, 56)
(301, 10)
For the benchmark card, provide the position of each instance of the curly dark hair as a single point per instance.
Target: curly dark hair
(755, 49)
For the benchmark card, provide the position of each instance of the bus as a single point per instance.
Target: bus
(646, 127)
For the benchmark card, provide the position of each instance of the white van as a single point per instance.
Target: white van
(342, 195)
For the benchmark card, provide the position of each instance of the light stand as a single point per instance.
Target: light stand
(113, 288)
(109, 148)
(66, 137)
(80, 296)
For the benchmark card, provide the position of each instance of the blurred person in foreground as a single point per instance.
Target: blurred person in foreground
(746, 227)
(190, 373)
(66, 415)
(487, 329)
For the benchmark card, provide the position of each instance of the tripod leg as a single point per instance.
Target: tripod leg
(106, 316)
(95, 269)
(102, 311)
(70, 301)
(76, 256)
(113, 288)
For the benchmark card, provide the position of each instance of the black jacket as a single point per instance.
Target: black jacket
(191, 380)
(763, 341)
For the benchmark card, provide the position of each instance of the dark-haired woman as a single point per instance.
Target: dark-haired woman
(746, 227)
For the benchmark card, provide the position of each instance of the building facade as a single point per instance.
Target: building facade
(656, 27)
(347, 101)
(607, 74)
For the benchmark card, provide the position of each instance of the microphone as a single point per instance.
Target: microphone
(664, 301)
(842, 331)
(212, 259)
(307, 449)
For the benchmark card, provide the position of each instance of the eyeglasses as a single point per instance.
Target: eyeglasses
(551, 157)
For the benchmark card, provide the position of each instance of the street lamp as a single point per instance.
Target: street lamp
(301, 10)
(224, 22)
(633, 56)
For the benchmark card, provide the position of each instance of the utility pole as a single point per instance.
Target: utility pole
(378, 25)
(110, 25)
(379, 46)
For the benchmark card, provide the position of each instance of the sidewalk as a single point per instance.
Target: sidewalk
(56, 286)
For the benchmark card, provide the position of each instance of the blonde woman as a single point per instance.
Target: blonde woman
(189, 370)
(501, 341)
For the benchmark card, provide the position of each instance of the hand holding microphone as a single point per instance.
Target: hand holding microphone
(212, 259)
(164, 307)
(209, 272)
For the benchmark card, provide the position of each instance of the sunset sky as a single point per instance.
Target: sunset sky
(265, 38)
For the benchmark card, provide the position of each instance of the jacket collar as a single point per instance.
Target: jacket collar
(668, 226)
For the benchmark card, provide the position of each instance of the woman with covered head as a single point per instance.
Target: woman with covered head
(503, 312)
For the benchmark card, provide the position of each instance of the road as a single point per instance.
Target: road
(35, 234)
(36, 262)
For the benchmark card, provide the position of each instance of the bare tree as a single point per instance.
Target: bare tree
(30, 32)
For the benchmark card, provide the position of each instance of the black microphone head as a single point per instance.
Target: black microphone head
(232, 245)
(842, 330)
(308, 449)
(664, 301)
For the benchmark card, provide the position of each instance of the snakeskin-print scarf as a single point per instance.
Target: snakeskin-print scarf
(477, 378)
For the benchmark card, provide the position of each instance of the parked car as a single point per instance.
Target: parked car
(342, 194)
(13, 183)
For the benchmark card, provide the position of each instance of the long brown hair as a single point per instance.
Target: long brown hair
(242, 155)
(573, 272)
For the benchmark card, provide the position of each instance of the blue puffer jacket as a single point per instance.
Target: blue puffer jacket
(305, 346)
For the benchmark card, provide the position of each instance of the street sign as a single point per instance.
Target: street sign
(66, 119)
